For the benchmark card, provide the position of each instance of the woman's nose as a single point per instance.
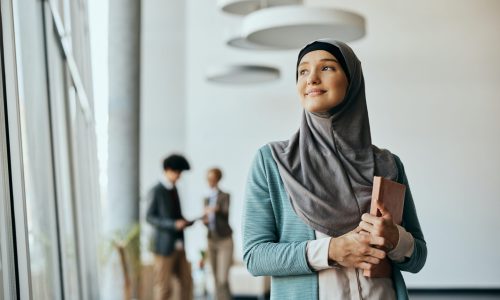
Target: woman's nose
(313, 78)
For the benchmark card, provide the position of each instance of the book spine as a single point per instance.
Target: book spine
(376, 194)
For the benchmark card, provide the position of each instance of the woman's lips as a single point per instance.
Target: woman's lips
(315, 92)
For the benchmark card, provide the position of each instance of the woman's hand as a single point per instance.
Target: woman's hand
(382, 227)
(356, 250)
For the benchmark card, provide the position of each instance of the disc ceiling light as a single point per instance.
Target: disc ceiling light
(242, 74)
(234, 39)
(242, 43)
(292, 26)
(244, 7)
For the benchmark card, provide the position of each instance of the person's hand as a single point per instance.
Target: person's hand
(205, 219)
(382, 227)
(180, 224)
(382, 270)
(210, 209)
(356, 250)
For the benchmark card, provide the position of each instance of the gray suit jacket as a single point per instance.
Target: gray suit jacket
(222, 228)
(163, 211)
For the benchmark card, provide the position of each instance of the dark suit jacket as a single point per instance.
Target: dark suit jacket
(222, 228)
(163, 211)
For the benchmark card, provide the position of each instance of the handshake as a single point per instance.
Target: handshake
(181, 224)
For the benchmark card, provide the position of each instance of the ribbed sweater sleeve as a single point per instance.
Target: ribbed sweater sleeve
(262, 252)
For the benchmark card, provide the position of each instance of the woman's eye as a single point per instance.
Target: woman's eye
(328, 68)
(302, 72)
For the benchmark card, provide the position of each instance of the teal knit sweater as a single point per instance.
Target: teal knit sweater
(275, 238)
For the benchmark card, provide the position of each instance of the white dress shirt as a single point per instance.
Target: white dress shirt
(212, 202)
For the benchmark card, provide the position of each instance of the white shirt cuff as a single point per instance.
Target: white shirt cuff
(404, 248)
(317, 253)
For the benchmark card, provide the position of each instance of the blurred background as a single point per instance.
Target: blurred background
(96, 93)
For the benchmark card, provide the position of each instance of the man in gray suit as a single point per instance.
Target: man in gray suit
(220, 241)
(165, 215)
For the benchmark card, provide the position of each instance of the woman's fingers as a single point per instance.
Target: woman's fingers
(382, 242)
(369, 218)
(380, 226)
(372, 260)
(385, 213)
(372, 224)
(357, 229)
(377, 253)
(374, 236)
(377, 241)
(366, 248)
(368, 227)
(364, 265)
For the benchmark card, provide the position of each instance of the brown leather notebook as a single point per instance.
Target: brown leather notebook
(392, 195)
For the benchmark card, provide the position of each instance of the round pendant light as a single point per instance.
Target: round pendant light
(242, 43)
(291, 27)
(244, 7)
(242, 74)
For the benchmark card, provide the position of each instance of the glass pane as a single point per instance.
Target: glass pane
(86, 193)
(79, 41)
(37, 152)
(1, 237)
(65, 197)
(3, 191)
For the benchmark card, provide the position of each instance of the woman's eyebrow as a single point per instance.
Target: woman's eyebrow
(329, 59)
(323, 59)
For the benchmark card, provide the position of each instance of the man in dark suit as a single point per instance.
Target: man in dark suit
(220, 241)
(166, 217)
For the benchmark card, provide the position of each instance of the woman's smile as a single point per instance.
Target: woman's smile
(315, 92)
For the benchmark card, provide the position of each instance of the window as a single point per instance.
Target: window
(37, 152)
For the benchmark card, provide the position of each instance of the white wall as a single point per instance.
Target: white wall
(162, 85)
(432, 72)
(162, 110)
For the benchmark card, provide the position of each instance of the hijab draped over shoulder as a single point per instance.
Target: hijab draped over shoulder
(328, 165)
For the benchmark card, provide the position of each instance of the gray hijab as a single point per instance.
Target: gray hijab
(327, 167)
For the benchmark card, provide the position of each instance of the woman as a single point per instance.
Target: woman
(220, 241)
(306, 221)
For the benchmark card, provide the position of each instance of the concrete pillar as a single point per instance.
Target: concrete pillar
(121, 211)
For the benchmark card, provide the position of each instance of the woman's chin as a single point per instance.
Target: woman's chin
(315, 109)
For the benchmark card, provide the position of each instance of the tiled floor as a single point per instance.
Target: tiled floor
(456, 296)
(430, 296)
(421, 295)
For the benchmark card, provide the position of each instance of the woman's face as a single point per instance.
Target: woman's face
(322, 83)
